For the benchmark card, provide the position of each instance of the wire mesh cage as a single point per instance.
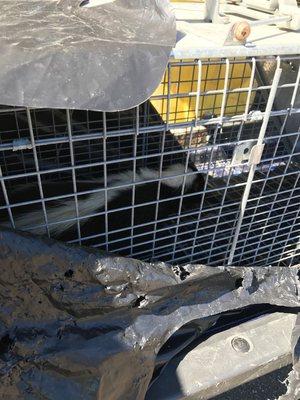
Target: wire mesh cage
(207, 170)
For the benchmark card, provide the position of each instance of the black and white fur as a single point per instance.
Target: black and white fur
(64, 210)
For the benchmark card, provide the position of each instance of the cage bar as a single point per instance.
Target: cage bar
(204, 115)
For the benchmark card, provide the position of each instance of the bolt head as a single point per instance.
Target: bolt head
(240, 345)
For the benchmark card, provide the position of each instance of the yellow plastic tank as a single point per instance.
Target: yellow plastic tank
(183, 87)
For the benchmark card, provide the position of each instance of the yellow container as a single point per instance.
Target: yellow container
(183, 88)
(184, 84)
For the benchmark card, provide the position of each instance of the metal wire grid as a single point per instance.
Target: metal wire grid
(222, 111)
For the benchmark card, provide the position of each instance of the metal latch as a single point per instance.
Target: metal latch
(242, 152)
(247, 151)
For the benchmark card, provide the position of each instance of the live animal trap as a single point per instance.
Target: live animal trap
(206, 170)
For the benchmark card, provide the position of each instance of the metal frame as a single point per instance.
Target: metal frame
(277, 34)
(246, 208)
(251, 349)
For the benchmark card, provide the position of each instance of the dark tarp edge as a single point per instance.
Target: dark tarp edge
(79, 324)
(56, 54)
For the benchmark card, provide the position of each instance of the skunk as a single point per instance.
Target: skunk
(146, 190)
(119, 215)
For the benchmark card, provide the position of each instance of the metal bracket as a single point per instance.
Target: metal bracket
(289, 8)
(21, 144)
(256, 115)
(212, 12)
(248, 151)
(261, 5)
(242, 152)
(240, 354)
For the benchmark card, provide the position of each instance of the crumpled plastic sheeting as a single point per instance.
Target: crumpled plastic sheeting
(57, 54)
(79, 324)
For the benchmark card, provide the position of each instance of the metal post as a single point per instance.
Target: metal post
(37, 168)
(256, 160)
(212, 12)
(70, 135)
(11, 218)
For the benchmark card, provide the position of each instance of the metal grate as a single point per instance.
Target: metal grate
(173, 179)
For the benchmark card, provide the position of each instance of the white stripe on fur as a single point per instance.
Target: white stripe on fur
(96, 201)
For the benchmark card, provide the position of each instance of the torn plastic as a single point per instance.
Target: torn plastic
(101, 55)
(79, 324)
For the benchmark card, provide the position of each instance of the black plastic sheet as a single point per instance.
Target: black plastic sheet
(59, 54)
(79, 324)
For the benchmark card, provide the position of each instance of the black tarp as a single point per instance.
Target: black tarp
(55, 53)
(79, 324)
